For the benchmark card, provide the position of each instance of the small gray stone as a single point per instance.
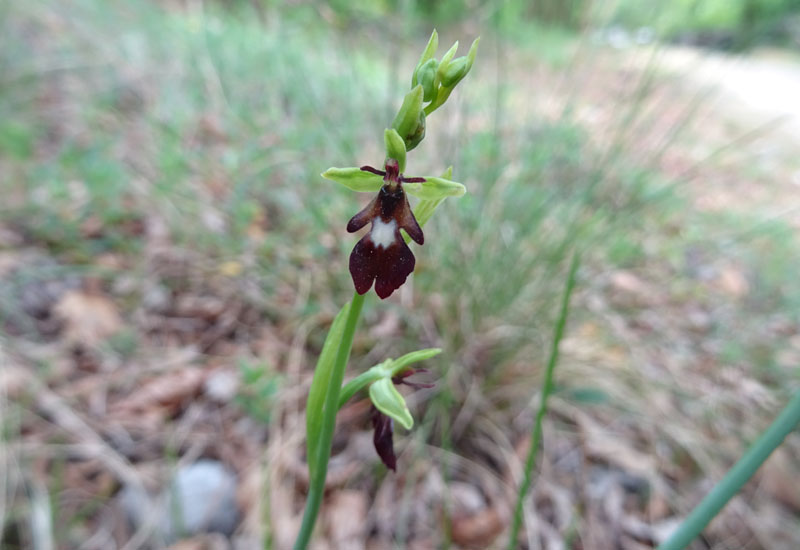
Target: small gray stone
(201, 499)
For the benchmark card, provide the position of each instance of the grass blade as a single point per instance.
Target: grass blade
(547, 389)
(737, 476)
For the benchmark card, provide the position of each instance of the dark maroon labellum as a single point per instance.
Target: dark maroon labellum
(382, 438)
(382, 255)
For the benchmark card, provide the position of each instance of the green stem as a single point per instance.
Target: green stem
(358, 383)
(547, 389)
(317, 482)
(737, 476)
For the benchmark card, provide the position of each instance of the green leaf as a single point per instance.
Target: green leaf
(430, 49)
(388, 400)
(400, 364)
(319, 385)
(435, 188)
(354, 179)
(395, 147)
(408, 119)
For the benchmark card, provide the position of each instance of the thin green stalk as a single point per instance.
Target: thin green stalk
(317, 481)
(737, 476)
(547, 389)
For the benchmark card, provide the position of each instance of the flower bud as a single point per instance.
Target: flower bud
(430, 49)
(427, 78)
(407, 121)
(456, 70)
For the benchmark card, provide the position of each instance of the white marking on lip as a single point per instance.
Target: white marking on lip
(382, 233)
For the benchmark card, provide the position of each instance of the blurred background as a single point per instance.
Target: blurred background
(170, 261)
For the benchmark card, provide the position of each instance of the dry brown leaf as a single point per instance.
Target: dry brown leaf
(346, 515)
(732, 281)
(779, 477)
(210, 541)
(479, 530)
(89, 317)
(631, 290)
(170, 391)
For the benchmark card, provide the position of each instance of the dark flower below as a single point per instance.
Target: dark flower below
(383, 439)
(382, 255)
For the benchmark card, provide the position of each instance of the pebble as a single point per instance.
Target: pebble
(206, 503)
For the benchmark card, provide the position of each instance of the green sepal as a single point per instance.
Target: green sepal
(319, 385)
(446, 58)
(435, 188)
(401, 363)
(419, 134)
(395, 147)
(427, 79)
(425, 208)
(388, 400)
(427, 53)
(355, 179)
(407, 120)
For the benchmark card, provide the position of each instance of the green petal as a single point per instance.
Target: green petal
(388, 400)
(354, 179)
(435, 188)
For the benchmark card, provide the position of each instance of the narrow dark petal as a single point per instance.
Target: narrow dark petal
(413, 180)
(406, 220)
(393, 265)
(364, 217)
(363, 267)
(372, 170)
(382, 439)
(401, 379)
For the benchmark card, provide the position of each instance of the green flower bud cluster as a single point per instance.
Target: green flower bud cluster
(432, 83)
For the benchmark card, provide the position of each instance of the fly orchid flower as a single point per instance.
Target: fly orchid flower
(382, 255)
(388, 405)
(383, 424)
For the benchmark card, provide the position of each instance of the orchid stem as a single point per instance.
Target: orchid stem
(316, 488)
